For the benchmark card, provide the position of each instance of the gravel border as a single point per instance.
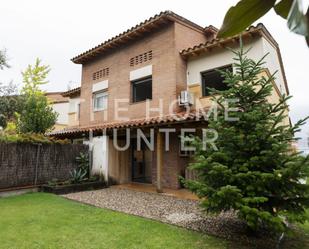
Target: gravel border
(171, 210)
(167, 209)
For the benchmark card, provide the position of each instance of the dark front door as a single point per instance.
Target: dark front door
(141, 163)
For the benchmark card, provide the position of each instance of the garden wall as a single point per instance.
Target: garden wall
(23, 164)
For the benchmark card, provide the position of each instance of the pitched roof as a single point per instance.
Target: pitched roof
(179, 117)
(56, 97)
(133, 33)
(72, 92)
(217, 42)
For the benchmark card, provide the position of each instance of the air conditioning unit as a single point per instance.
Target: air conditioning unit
(186, 98)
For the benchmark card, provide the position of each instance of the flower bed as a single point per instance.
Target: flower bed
(70, 188)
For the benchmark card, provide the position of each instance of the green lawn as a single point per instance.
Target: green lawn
(48, 221)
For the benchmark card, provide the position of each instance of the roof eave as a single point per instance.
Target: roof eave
(134, 33)
(72, 92)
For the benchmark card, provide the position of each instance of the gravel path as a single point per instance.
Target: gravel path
(168, 209)
(184, 213)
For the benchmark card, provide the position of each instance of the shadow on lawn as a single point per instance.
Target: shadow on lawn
(298, 238)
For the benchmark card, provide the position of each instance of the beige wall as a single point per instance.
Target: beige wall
(62, 109)
(73, 119)
(119, 163)
(273, 64)
(58, 127)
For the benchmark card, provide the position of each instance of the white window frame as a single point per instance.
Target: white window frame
(97, 95)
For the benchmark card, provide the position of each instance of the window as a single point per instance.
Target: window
(142, 89)
(100, 101)
(213, 79)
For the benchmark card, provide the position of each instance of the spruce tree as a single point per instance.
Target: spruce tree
(255, 171)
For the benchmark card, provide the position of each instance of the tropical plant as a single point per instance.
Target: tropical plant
(38, 115)
(254, 169)
(83, 162)
(78, 175)
(245, 12)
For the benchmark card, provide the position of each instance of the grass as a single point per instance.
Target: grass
(47, 221)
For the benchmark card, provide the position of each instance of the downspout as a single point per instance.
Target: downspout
(106, 148)
(159, 154)
(90, 147)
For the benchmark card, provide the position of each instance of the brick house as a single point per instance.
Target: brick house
(143, 79)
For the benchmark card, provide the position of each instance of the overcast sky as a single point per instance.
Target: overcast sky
(56, 31)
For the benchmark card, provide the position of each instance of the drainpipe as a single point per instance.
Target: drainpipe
(106, 152)
(159, 161)
(90, 151)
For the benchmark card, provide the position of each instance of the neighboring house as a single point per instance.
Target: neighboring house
(152, 65)
(60, 105)
(73, 114)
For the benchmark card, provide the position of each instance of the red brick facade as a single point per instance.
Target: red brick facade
(169, 72)
(168, 79)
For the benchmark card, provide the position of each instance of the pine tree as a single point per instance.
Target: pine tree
(254, 170)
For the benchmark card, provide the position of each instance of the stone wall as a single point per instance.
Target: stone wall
(23, 164)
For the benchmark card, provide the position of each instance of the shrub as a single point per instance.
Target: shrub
(30, 138)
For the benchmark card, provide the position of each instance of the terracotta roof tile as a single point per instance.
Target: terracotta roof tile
(168, 119)
(215, 42)
(69, 93)
(151, 24)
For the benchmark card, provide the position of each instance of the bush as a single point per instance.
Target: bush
(30, 138)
